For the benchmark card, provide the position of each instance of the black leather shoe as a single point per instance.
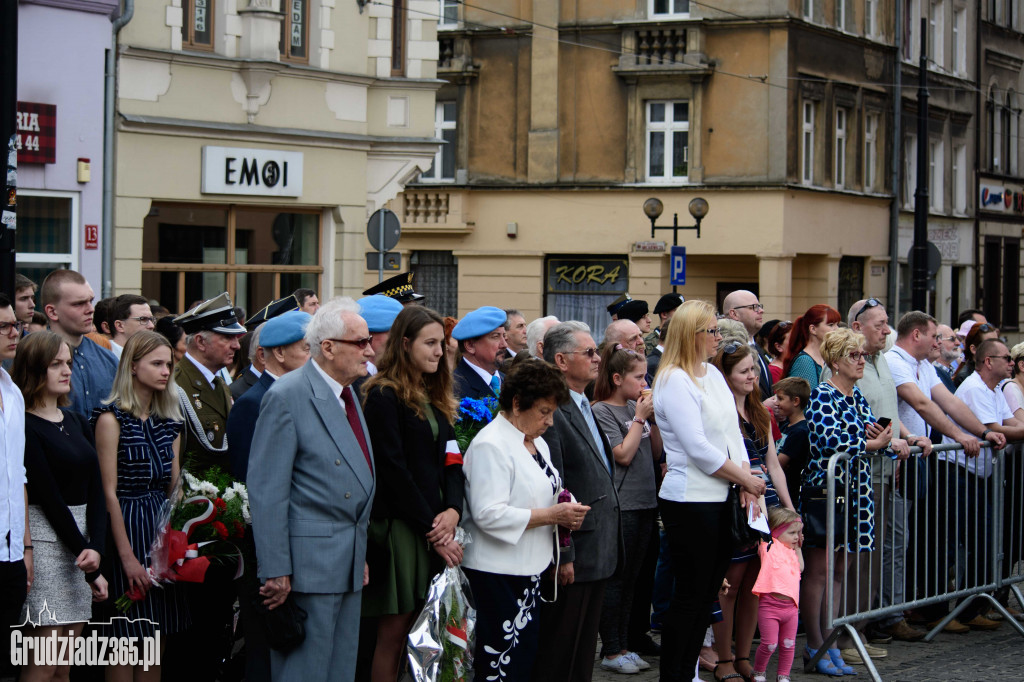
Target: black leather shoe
(647, 646)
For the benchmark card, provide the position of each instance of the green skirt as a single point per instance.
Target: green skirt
(401, 568)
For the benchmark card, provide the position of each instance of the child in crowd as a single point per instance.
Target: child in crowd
(778, 588)
(794, 448)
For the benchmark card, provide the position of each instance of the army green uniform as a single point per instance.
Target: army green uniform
(205, 408)
(651, 341)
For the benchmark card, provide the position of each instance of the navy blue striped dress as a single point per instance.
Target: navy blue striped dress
(144, 459)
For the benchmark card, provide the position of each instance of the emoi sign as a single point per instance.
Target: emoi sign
(254, 172)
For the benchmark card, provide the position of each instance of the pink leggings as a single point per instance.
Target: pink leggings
(776, 618)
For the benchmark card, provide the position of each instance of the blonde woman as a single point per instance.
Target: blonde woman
(137, 438)
(696, 413)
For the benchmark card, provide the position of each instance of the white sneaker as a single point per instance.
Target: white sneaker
(619, 664)
(640, 663)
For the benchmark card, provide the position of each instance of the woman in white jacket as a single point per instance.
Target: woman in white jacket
(512, 512)
(696, 413)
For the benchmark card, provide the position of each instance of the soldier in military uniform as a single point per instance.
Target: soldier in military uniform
(213, 332)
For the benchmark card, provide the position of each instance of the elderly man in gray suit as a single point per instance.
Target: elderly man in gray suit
(311, 486)
(583, 457)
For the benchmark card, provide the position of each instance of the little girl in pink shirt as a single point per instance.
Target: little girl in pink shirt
(778, 589)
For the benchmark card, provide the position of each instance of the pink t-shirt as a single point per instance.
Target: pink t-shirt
(780, 571)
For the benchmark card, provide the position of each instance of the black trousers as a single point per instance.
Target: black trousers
(700, 548)
(13, 590)
(198, 654)
(568, 633)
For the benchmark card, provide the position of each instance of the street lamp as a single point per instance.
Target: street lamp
(653, 208)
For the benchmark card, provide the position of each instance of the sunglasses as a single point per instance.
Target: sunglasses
(358, 343)
(731, 348)
(589, 352)
(984, 328)
(870, 303)
(1007, 358)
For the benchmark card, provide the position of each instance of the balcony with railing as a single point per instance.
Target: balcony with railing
(662, 48)
(423, 210)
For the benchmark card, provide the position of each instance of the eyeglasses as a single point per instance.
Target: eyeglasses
(590, 352)
(984, 328)
(946, 338)
(6, 327)
(358, 343)
(714, 332)
(757, 307)
(1007, 358)
(857, 356)
(144, 319)
(870, 303)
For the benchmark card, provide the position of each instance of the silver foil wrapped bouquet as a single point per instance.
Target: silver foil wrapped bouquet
(442, 638)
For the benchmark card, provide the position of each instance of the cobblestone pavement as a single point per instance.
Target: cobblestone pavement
(975, 656)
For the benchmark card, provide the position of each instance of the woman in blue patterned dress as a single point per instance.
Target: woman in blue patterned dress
(840, 421)
(137, 441)
(736, 360)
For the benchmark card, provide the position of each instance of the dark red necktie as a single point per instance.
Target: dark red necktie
(353, 421)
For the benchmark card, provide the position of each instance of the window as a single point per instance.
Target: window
(911, 29)
(992, 125)
(959, 45)
(1009, 137)
(937, 34)
(840, 149)
(909, 169)
(936, 166)
(46, 238)
(197, 26)
(870, 152)
(669, 7)
(186, 255)
(668, 133)
(844, 14)
(870, 18)
(808, 7)
(443, 168)
(295, 31)
(960, 179)
(398, 37)
(449, 13)
(807, 140)
(436, 274)
(1001, 281)
(990, 10)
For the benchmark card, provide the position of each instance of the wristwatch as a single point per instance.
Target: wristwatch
(985, 433)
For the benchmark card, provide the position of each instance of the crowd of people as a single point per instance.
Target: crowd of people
(600, 498)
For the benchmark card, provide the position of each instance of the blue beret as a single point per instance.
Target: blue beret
(379, 311)
(285, 329)
(480, 322)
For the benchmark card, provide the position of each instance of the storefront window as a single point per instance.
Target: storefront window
(46, 228)
(581, 288)
(191, 253)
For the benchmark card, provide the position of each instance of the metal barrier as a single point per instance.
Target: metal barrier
(946, 527)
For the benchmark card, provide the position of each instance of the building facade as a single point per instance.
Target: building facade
(255, 137)
(561, 119)
(61, 49)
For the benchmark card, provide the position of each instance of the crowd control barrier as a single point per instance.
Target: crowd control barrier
(948, 532)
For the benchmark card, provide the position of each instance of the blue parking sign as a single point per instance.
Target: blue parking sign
(678, 266)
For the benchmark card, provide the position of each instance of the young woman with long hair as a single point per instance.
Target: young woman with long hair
(803, 354)
(624, 408)
(67, 512)
(137, 438)
(695, 411)
(409, 411)
(737, 363)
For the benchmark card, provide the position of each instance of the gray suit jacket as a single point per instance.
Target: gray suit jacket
(310, 489)
(596, 547)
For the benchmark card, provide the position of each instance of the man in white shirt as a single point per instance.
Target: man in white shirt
(16, 548)
(130, 314)
(744, 307)
(923, 400)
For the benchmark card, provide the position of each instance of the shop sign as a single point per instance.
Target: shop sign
(586, 275)
(253, 172)
(36, 136)
(1001, 199)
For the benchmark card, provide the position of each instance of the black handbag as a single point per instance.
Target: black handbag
(284, 626)
(741, 533)
(814, 514)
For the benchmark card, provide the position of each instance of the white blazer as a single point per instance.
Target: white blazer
(503, 483)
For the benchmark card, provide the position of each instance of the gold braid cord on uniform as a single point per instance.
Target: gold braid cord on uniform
(197, 427)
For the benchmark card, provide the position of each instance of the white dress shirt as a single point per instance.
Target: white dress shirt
(12, 470)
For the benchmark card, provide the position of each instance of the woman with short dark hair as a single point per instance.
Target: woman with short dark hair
(512, 513)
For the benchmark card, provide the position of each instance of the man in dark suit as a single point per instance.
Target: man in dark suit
(583, 457)
(311, 486)
(744, 307)
(481, 337)
(282, 349)
(251, 374)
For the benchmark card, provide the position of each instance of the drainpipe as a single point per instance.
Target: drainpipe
(893, 298)
(110, 92)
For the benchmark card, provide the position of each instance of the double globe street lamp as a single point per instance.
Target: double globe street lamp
(653, 208)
